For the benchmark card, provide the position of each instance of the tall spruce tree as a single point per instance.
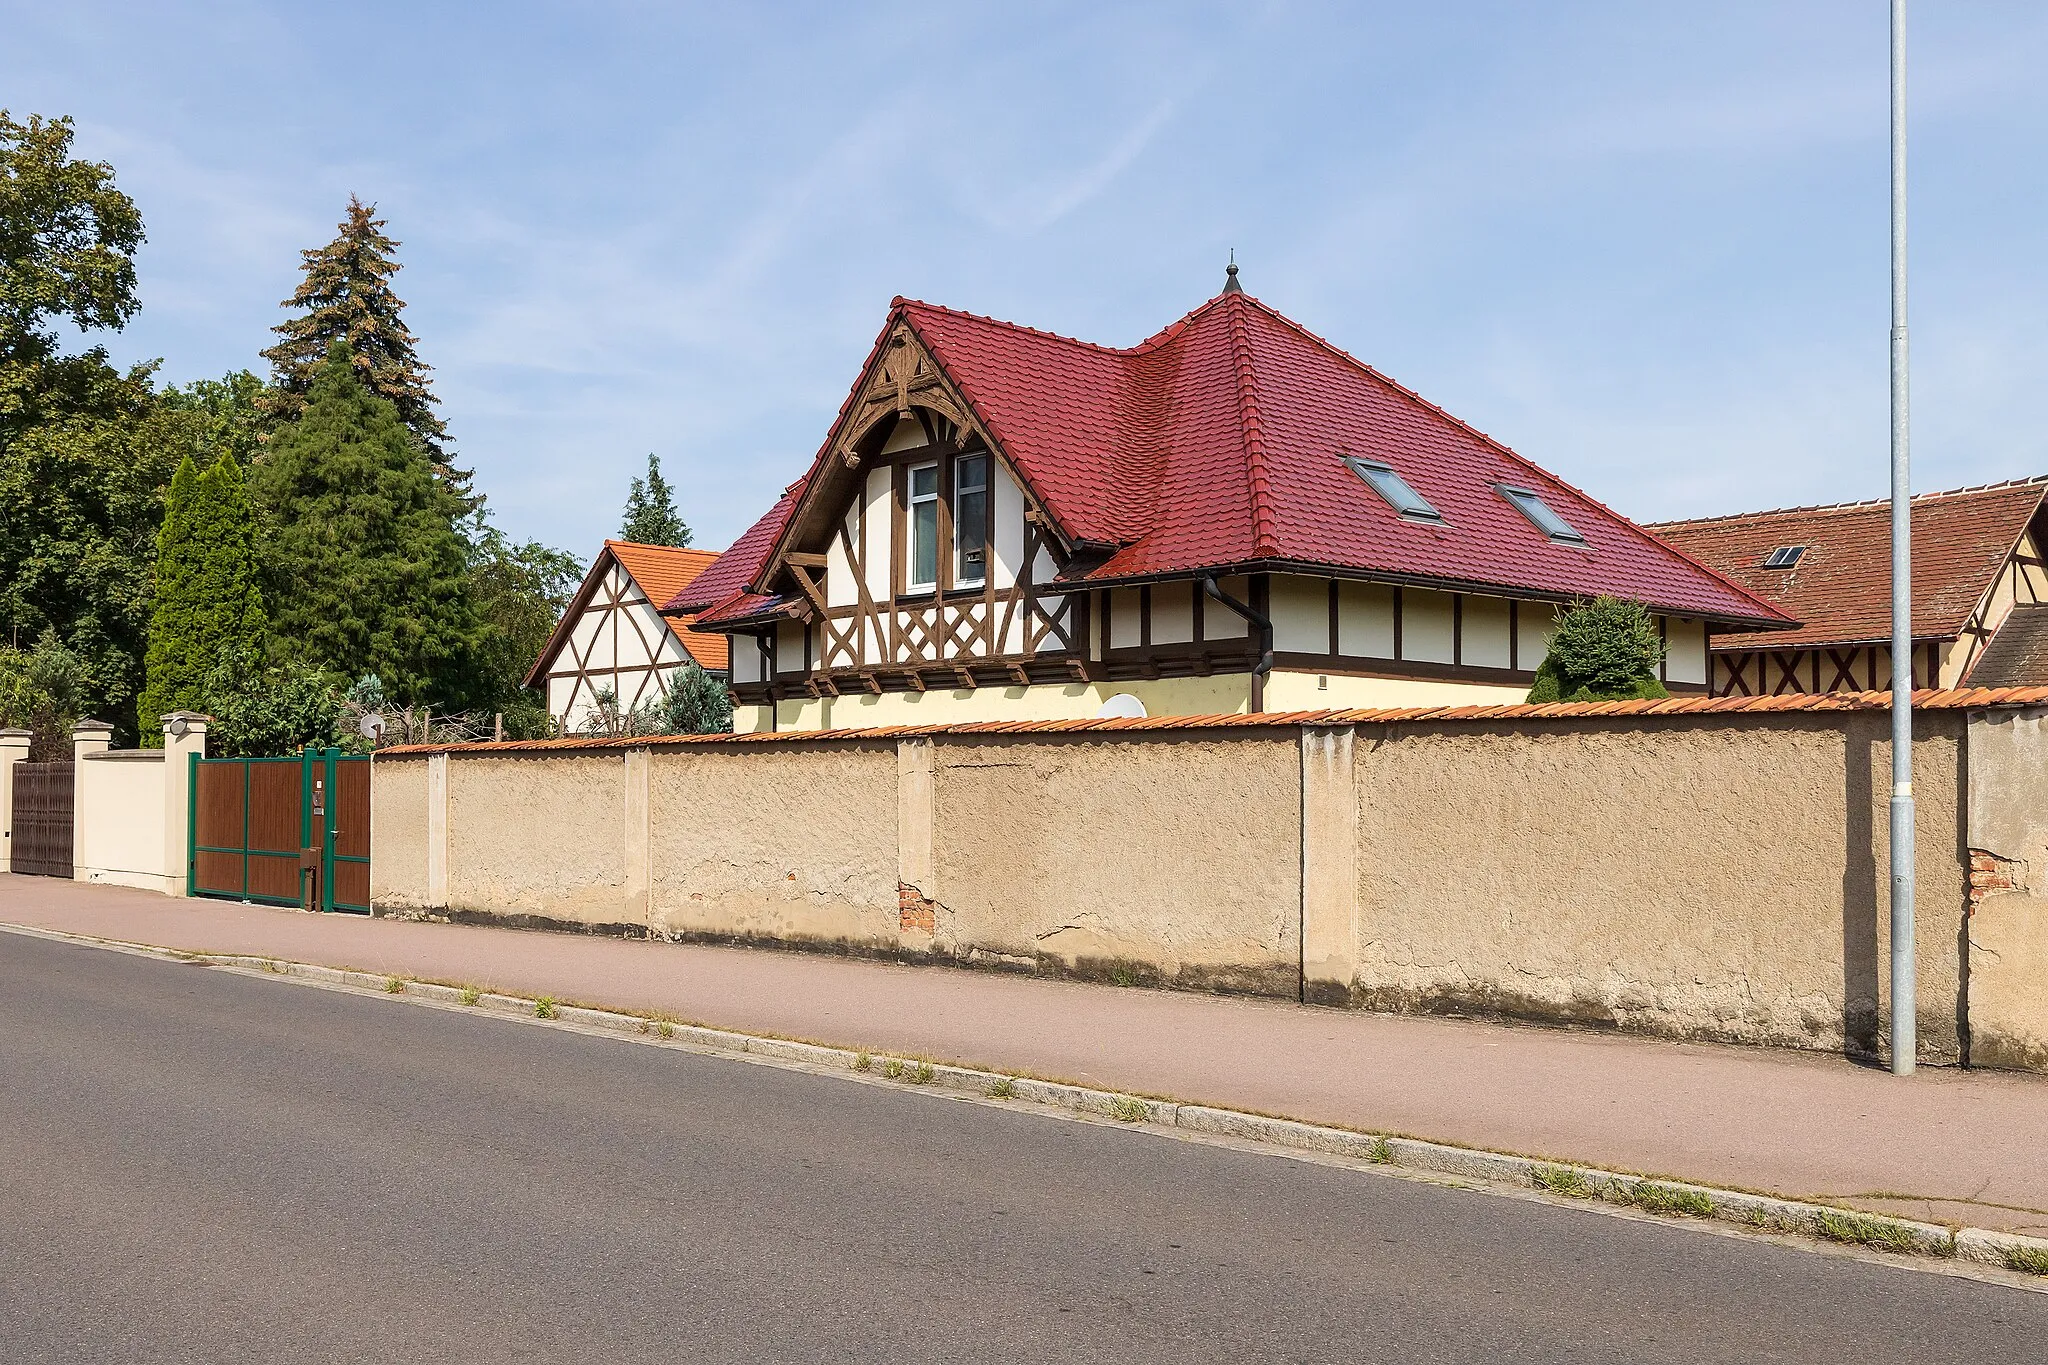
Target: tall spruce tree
(347, 296)
(651, 516)
(207, 597)
(366, 568)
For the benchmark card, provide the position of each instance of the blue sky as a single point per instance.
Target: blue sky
(1644, 244)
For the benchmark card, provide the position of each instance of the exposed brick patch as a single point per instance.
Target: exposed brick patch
(915, 914)
(1990, 874)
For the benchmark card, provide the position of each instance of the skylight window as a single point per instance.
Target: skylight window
(1785, 556)
(1382, 479)
(1541, 515)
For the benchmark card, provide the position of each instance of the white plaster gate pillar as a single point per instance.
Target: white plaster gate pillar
(184, 741)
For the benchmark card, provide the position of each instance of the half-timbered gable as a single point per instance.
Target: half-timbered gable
(1979, 581)
(1231, 516)
(614, 638)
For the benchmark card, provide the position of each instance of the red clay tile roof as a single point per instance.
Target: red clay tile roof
(661, 571)
(1926, 699)
(721, 593)
(1840, 590)
(1218, 443)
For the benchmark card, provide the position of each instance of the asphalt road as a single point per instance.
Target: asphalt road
(202, 1167)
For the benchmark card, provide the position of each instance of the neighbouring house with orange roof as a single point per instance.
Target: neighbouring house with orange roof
(1233, 516)
(614, 636)
(1980, 591)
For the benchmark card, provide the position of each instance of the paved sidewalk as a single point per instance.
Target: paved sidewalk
(1943, 1145)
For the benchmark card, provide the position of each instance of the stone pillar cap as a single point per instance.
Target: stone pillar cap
(92, 727)
(17, 734)
(189, 717)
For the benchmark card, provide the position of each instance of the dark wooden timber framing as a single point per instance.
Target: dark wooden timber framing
(1086, 649)
(1821, 668)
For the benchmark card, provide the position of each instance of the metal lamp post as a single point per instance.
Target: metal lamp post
(1904, 1029)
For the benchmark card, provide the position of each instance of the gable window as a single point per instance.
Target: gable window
(970, 519)
(1540, 515)
(1382, 479)
(1785, 556)
(924, 528)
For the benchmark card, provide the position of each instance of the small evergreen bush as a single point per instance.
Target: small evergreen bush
(1603, 650)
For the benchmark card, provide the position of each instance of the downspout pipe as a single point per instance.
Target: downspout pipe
(1260, 622)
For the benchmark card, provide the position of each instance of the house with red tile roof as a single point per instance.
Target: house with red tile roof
(613, 634)
(1980, 591)
(1232, 516)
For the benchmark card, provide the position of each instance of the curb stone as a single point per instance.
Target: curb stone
(1592, 1185)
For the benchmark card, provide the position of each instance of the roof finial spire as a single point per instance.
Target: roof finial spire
(1230, 284)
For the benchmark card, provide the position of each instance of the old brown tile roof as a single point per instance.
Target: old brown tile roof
(2018, 655)
(1840, 590)
(1927, 699)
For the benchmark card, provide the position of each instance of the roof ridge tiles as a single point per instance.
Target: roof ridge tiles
(1858, 505)
(1265, 544)
(1150, 343)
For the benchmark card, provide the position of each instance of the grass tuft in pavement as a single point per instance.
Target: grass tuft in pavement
(1125, 1110)
(1562, 1180)
(2028, 1260)
(1857, 1230)
(544, 1008)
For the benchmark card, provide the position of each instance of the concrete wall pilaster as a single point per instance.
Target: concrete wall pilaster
(88, 737)
(917, 891)
(13, 750)
(437, 831)
(1329, 864)
(184, 741)
(636, 836)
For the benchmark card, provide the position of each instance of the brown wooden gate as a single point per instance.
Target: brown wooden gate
(284, 831)
(41, 843)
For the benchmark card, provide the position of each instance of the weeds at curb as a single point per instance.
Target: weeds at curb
(892, 1067)
(1004, 1089)
(470, 995)
(1380, 1153)
(1128, 1110)
(2027, 1260)
(1562, 1180)
(1857, 1230)
(1667, 1199)
(544, 1008)
(665, 1028)
(394, 985)
(921, 1074)
(861, 1061)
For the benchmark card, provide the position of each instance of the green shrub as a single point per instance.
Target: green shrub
(1603, 650)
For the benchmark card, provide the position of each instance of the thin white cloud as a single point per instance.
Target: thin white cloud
(1046, 207)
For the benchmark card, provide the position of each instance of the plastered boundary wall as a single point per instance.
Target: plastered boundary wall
(1706, 874)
